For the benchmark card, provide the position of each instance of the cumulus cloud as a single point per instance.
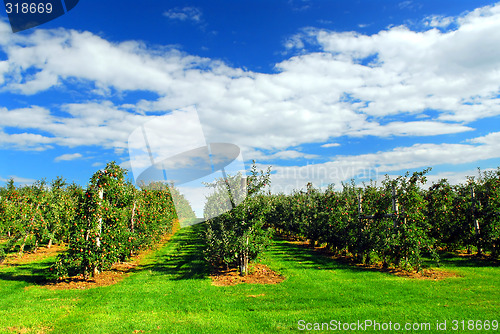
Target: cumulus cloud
(90, 124)
(400, 70)
(330, 145)
(25, 141)
(68, 157)
(418, 128)
(438, 21)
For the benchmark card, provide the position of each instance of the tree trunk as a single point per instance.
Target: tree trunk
(244, 260)
(132, 220)
(50, 243)
(395, 207)
(368, 258)
(475, 221)
(244, 263)
(99, 223)
(21, 249)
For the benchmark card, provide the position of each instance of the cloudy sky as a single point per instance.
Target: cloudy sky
(323, 91)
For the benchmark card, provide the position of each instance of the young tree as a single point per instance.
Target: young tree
(99, 234)
(236, 211)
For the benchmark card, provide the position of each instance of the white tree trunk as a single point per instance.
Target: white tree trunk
(99, 223)
(99, 228)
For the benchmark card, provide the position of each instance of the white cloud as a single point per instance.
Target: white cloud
(414, 71)
(19, 180)
(491, 139)
(90, 124)
(330, 145)
(185, 14)
(281, 155)
(438, 21)
(4, 67)
(68, 157)
(25, 141)
(25, 118)
(405, 4)
(56, 55)
(419, 128)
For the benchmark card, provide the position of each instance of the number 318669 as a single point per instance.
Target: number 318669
(31, 8)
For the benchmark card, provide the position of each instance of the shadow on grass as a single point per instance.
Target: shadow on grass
(310, 258)
(320, 259)
(184, 258)
(32, 273)
(467, 261)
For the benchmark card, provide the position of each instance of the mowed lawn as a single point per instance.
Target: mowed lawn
(171, 292)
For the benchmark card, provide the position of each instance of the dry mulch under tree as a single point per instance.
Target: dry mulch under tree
(27, 257)
(434, 273)
(109, 277)
(257, 274)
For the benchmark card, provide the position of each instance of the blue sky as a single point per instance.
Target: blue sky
(323, 91)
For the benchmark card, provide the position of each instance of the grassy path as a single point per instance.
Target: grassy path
(171, 293)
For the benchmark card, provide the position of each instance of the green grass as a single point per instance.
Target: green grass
(172, 293)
